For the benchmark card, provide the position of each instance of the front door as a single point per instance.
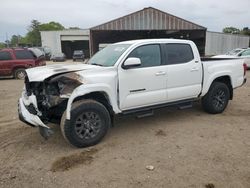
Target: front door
(144, 85)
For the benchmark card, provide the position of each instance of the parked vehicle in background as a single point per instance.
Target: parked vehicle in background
(46, 50)
(78, 55)
(243, 53)
(58, 57)
(14, 61)
(37, 52)
(131, 77)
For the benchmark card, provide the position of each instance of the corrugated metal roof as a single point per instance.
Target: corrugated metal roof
(149, 19)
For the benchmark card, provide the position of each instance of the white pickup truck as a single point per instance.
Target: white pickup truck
(131, 77)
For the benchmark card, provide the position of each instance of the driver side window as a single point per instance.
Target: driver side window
(149, 55)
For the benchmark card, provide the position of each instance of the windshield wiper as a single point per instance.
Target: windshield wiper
(96, 64)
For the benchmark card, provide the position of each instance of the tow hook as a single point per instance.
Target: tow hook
(45, 132)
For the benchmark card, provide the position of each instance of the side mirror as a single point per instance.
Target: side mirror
(131, 62)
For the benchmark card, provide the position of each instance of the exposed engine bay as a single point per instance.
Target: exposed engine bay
(52, 94)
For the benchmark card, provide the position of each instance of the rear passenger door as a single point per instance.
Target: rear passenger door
(6, 62)
(24, 58)
(184, 72)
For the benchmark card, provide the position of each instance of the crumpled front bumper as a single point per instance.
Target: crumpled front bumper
(32, 119)
(28, 118)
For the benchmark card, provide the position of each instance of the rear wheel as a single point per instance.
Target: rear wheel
(20, 74)
(216, 100)
(89, 123)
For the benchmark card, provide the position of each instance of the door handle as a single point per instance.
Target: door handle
(160, 73)
(194, 69)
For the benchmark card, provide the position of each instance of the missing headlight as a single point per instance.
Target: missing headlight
(65, 83)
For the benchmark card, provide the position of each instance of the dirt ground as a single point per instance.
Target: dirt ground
(187, 148)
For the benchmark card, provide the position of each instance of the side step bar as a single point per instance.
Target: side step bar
(148, 111)
(145, 114)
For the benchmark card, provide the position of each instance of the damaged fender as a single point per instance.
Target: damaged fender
(86, 89)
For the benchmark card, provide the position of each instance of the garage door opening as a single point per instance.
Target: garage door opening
(68, 47)
(102, 37)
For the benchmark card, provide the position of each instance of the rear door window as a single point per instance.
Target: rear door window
(24, 54)
(178, 53)
(5, 56)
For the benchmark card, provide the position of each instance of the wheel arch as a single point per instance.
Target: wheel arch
(98, 92)
(14, 69)
(223, 78)
(99, 96)
(226, 79)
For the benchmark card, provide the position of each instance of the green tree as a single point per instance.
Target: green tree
(245, 31)
(51, 26)
(74, 28)
(231, 30)
(15, 40)
(33, 35)
(2, 45)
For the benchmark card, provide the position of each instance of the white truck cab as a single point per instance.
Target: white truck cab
(131, 77)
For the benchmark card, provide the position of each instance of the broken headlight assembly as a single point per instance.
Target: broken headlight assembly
(59, 88)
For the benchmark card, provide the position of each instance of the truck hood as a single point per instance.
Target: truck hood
(39, 74)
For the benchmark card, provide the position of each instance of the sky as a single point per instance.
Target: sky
(16, 15)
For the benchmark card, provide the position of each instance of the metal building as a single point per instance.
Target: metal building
(146, 23)
(66, 41)
(220, 43)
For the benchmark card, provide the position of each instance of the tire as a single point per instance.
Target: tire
(216, 100)
(19, 74)
(89, 123)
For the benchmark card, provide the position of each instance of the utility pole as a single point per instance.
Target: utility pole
(7, 40)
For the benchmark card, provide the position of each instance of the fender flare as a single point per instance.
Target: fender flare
(212, 78)
(90, 88)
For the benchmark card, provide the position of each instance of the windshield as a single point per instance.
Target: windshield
(108, 56)
(79, 52)
(234, 52)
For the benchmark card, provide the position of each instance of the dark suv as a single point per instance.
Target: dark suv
(78, 54)
(14, 61)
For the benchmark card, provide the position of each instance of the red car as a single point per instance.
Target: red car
(14, 61)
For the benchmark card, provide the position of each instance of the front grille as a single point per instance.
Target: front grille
(31, 109)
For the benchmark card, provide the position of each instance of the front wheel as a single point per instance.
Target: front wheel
(89, 123)
(216, 100)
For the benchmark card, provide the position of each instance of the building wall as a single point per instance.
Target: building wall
(216, 43)
(220, 43)
(53, 39)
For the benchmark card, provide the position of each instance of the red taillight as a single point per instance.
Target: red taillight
(245, 68)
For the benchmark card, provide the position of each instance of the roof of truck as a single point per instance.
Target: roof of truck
(154, 40)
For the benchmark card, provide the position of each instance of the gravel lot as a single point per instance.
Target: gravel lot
(187, 148)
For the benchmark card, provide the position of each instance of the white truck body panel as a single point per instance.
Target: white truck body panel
(128, 89)
(230, 67)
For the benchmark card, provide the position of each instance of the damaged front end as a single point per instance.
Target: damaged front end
(44, 102)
